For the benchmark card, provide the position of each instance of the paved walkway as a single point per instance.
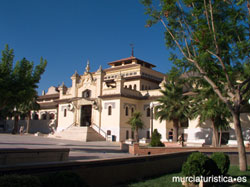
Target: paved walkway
(78, 150)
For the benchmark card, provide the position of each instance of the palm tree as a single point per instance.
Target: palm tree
(173, 105)
(207, 106)
(136, 123)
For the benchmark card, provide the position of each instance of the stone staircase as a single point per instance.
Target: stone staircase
(84, 134)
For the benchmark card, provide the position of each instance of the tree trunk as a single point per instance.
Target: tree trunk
(136, 135)
(241, 146)
(220, 137)
(28, 123)
(215, 135)
(15, 128)
(175, 130)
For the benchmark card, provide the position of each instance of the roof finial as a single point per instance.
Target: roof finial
(87, 67)
(132, 48)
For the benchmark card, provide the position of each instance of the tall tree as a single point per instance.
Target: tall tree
(173, 105)
(18, 83)
(213, 39)
(136, 123)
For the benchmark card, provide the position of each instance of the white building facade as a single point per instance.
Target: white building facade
(104, 100)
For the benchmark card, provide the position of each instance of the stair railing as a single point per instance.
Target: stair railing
(99, 130)
(71, 125)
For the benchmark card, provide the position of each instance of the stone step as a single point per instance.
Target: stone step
(80, 134)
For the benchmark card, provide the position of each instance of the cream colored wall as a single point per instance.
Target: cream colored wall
(204, 131)
(152, 92)
(111, 122)
(64, 122)
(152, 72)
(124, 126)
(132, 83)
(48, 111)
(148, 84)
(143, 105)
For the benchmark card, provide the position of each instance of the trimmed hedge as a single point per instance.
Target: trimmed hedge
(222, 161)
(199, 164)
(156, 139)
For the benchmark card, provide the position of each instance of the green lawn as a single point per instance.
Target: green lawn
(166, 180)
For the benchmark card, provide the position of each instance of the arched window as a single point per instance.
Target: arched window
(44, 116)
(51, 116)
(132, 135)
(35, 116)
(109, 110)
(148, 112)
(130, 87)
(148, 134)
(86, 94)
(127, 134)
(132, 110)
(126, 86)
(126, 111)
(142, 87)
(65, 112)
(134, 86)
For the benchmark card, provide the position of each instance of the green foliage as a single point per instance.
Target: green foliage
(18, 82)
(222, 161)
(207, 106)
(173, 104)
(135, 121)
(199, 164)
(63, 178)
(213, 40)
(156, 139)
(19, 181)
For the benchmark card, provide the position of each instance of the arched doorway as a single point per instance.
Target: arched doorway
(86, 111)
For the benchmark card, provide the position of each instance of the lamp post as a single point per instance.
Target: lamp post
(151, 118)
(15, 128)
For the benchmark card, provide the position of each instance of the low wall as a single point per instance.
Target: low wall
(232, 152)
(35, 126)
(21, 156)
(109, 172)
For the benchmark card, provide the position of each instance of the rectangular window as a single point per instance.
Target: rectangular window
(109, 110)
(148, 134)
(127, 134)
(65, 112)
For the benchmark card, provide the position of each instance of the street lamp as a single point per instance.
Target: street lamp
(151, 118)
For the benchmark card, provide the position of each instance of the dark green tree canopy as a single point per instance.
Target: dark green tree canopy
(18, 82)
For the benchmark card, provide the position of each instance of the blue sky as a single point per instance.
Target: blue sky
(69, 32)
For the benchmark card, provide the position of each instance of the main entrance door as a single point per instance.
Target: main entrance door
(86, 111)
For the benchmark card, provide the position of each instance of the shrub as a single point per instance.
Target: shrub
(156, 139)
(19, 181)
(63, 178)
(222, 161)
(199, 164)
